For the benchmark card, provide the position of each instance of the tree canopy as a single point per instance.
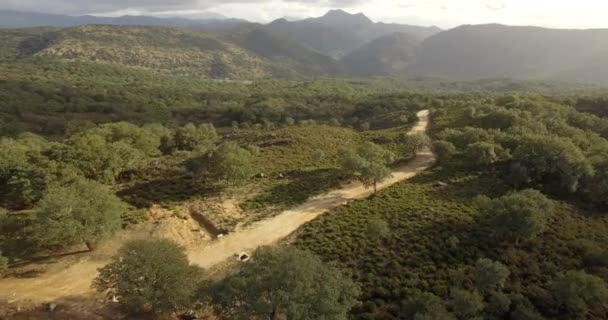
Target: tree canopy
(82, 211)
(287, 282)
(369, 163)
(150, 276)
(517, 215)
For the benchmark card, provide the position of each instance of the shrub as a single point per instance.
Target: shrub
(287, 282)
(517, 215)
(490, 275)
(578, 291)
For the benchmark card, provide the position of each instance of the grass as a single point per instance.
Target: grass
(434, 232)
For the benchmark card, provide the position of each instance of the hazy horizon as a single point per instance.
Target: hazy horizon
(442, 13)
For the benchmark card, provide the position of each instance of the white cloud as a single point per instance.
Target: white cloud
(445, 13)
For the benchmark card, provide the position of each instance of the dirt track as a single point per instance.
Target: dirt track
(61, 282)
(274, 229)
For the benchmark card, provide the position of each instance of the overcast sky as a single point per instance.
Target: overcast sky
(443, 13)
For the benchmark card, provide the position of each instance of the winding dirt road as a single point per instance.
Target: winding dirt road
(60, 283)
(274, 229)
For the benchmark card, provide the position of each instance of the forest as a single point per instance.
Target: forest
(509, 224)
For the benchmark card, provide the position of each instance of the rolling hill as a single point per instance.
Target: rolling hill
(337, 44)
(254, 54)
(389, 55)
(488, 51)
(18, 19)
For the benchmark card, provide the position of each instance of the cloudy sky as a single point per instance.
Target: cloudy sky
(444, 13)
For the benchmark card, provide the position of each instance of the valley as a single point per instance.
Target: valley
(331, 167)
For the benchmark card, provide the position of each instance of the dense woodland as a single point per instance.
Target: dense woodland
(510, 224)
(515, 229)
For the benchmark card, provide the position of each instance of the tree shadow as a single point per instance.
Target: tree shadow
(461, 187)
(85, 307)
(48, 259)
(166, 190)
(299, 187)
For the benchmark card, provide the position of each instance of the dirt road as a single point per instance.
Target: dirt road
(274, 229)
(60, 282)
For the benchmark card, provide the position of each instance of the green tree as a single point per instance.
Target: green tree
(578, 292)
(467, 304)
(287, 283)
(231, 163)
(426, 306)
(150, 276)
(490, 275)
(191, 137)
(484, 154)
(289, 121)
(82, 211)
(377, 228)
(99, 159)
(417, 142)
(543, 158)
(517, 215)
(445, 150)
(146, 140)
(369, 163)
(498, 305)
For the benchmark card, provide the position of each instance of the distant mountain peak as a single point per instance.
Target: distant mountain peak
(341, 16)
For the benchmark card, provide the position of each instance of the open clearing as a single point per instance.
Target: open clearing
(61, 283)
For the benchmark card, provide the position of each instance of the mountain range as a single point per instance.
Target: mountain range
(17, 19)
(338, 44)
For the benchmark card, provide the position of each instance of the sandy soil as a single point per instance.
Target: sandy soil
(62, 282)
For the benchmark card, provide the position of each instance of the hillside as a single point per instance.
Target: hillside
(389, 55)
(290, 57)
(487, 51)
(337, 33)
(171, 50)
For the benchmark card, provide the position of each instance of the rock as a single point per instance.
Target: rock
(261, 175)
(51, 307)
(243, 257)
(440, 184)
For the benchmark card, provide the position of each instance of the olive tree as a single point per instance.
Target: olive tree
(578, 292)
(490, 275)
(287, 283)
(517, 215)
(445, 150)
(542, 158)
(417, 142)
(99, 159)
(482, 155)
(150, 276)
(231, 163)
(426, 306)
(377, 228)
(369, 163)
(191, 137)
(467, 304)
(81, 212)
